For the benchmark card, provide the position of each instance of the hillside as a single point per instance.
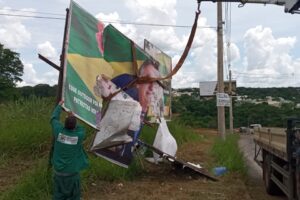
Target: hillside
(288, 93)
(266, 106)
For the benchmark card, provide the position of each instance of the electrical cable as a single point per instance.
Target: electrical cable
(28, 11)
(113, 22)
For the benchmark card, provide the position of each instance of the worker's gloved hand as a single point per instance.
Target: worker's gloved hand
(70, 113)
(61, 102)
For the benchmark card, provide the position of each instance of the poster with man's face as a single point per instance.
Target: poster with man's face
(92, 50)
(165, 67)
(100, 61)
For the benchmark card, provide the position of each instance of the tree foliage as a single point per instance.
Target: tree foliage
(40, 90)
(11, 70)
(202, 112)
(288, 93)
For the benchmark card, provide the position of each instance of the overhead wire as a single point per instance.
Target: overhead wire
(31, 16)
(28, 11)
(264, 74)
(106, 21)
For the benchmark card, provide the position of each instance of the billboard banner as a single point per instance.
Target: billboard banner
(210, 88)
(95, 50)
(99, 61)
(83, 60)
(165, 67)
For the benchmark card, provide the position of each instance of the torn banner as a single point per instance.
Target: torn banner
(165, 67)
(93, 50)
(114, 140)
(122, 115)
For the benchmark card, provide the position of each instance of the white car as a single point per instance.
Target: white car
(252, 126)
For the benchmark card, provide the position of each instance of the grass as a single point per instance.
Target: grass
(34, 184)
(25, 131)
(100, 169)
(227, 154)
(24, 126)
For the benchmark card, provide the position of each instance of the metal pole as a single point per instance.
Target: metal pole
(230, 108)
(60, 81)
(62, 60)
(221, 111)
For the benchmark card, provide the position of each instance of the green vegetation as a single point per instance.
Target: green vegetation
(227, 153)
(40, 90)
(26, 135)
(288, 93)
(24, 126)
(11, 70)
(34, 184)
(267, 115)
(195, 112)
(202, 112)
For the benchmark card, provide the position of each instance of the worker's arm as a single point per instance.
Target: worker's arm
(55, 123)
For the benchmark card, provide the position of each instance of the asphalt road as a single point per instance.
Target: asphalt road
(247, 146)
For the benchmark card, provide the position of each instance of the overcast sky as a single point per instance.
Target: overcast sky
(264, 41)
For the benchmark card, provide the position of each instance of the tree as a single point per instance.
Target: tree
(11, 70)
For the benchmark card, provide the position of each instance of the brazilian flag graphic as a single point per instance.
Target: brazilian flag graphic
(92, 50)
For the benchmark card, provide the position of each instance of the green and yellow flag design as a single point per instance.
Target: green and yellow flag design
(92, 50)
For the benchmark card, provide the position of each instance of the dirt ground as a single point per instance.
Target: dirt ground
(12, 170)
(161, 182)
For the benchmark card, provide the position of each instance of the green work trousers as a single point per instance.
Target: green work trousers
(66, 187)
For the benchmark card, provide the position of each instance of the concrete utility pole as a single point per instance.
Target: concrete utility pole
(221, 110)
(230, 108)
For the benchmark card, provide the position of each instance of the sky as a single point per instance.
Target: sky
(262, 41)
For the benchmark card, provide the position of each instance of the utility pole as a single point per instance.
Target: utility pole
(230, 108)
(221, 110)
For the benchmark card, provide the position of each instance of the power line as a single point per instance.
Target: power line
(267, 74)
(112, 22)
(262, 77)
(32, 16)
(27, 11)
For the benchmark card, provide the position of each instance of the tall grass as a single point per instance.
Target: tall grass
(100, 169)
(24, 126)
(37, 183)
(34, 184)
(25, 130)
(227, 153)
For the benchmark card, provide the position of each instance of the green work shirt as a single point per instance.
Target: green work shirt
(68, 155)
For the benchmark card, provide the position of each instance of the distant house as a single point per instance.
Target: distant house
(178, 93)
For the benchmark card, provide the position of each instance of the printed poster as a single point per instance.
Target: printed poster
(99, 61)
(165, 67)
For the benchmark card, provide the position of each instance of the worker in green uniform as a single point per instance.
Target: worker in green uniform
(69, 156)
